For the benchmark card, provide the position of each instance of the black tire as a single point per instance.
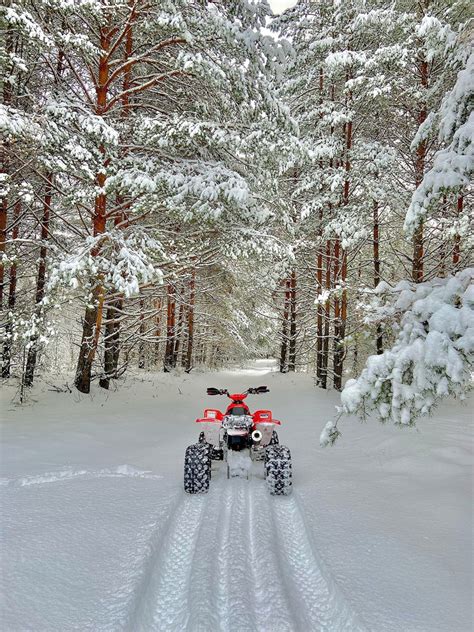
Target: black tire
(216, 453)
(274, 440)
(278, 471)
(197, 468)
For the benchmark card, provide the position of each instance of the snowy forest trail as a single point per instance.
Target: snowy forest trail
(98, 534)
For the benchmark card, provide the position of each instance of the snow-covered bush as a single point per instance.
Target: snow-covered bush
(431, 358)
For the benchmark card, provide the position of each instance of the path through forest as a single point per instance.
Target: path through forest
(98, 534)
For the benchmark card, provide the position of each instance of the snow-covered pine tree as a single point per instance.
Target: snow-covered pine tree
(336, 89)
(433, 354)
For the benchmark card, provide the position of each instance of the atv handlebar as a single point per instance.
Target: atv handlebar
(250, 391)
(216, 391)
(258, 390)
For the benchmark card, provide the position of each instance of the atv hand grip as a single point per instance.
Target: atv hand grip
(216, 391)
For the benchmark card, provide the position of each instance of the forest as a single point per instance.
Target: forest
(187, 184)
(263, 206)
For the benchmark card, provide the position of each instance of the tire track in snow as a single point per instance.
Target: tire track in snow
(232, 591)
(237, 560)
(161, 597)
(317, 602)
(272, 607)
(59, 476)
(204, 616)
(236, 575)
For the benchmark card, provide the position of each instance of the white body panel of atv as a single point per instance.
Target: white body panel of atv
(212, 431)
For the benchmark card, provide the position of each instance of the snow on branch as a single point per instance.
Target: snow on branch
(432, 357)
(454, 164)
(123, 263)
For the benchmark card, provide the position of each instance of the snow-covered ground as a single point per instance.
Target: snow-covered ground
(98, 535)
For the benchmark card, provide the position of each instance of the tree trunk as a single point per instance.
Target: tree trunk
(376, 247)
(292, 345)
(418, 245)
(178, 335)
(320, 311)
(170, 328)
(157, 330)
(141, 345)
(113, 323)
(32, 356)
(341, 318)
(327, 319)
(7, 100)
(339, 352)
(93, 316)
(337, 314)
(90, 338)
(116, 340)
(189, 350)
(3, 238)
(111, 342)
(8, 343)
(457, 238)
(284, 327)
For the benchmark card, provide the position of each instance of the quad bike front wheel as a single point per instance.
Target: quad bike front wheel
(197, 468)
(278, 471)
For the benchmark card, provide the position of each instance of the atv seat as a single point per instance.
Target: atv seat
(238, 410)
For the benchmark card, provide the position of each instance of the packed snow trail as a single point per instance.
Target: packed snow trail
(97, 534)
(238, 560)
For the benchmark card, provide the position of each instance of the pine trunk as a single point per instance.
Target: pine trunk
(376, 253)
(113, 322)
(327, 319)
(418, 237)
(32, 356)
(157, 330)
(111, 342)
(3, 237)
(8, 343)
(341, 319)
(293, 314)
(320, 312)
(337, 314)
(30, 366)
(179, 334)
(189, 349)
(284, 328)
(141, 345)
(339, 352)
(5, 148)
(457, 238)
(170, 328)
(93, 315)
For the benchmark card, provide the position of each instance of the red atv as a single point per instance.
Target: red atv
(237, 437)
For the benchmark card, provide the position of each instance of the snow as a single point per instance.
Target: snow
(97, 533)
(432, 355)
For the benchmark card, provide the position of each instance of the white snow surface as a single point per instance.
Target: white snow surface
(98, 535)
